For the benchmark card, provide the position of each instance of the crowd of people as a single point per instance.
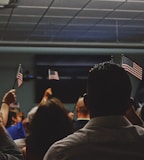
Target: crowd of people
(106, 124)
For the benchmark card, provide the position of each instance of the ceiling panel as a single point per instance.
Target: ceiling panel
(105, 4)
(122, 15)
(70, 3)
(89, 13)
(53, 21)
(132, 6)
(35, 2)
(28, 11)
(61, 12)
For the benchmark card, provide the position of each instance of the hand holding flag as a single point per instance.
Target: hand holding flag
(53, 75)
(19, 76)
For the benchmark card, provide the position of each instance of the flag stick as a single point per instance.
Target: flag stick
(14, 83)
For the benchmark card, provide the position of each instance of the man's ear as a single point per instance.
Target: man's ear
(131, 102)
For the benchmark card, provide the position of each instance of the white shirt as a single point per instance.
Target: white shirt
(103, 138)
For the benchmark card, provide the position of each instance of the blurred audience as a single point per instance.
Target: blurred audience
(108, 135)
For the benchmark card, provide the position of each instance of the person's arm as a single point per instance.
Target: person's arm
(132, 115)
(5, 112)
(8, 149)
(46, 96)
(8, 98)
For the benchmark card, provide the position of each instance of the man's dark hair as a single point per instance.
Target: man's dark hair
(108, 90)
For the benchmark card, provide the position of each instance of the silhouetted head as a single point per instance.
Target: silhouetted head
(49, 124)
(108, 90)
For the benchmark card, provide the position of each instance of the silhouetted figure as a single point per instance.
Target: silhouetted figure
(108, 135)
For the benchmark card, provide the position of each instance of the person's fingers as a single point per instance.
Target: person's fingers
(10, 96)
(12, 91)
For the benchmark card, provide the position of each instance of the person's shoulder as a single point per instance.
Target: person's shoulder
(71, 140)
(60, 148)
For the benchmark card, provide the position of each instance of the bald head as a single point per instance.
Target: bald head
(81, 109)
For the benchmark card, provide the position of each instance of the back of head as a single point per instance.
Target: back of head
(52, 116)
(109, 90)
(49, 124)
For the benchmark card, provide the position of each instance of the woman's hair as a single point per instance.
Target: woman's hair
(49, 124)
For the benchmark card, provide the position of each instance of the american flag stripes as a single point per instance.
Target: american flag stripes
(19, 75)
(132, 67)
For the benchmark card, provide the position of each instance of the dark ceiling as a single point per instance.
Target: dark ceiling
(105, 24)
(72, 21)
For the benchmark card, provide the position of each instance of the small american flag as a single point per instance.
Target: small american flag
(19, 75)
(132, 67)
(53, 75)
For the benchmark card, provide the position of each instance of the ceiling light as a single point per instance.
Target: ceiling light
(8, 3)
(4, 2)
